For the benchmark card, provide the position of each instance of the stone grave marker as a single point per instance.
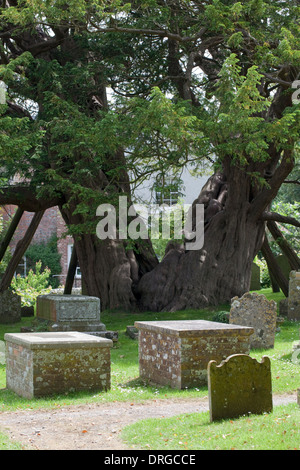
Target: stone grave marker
(239, 385)
(284, 307)
(256, 311)
(10, 307)
(71, 313)
(294, 296)
(296, 352)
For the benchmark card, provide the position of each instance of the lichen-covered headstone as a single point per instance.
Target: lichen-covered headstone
(10, 307)
(238, 386)
(294, 296)
(284, 307)
(256, 311)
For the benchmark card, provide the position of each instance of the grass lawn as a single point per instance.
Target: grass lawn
(125, 383)
(275, 431)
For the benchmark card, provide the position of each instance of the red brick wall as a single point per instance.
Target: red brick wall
(46, 229)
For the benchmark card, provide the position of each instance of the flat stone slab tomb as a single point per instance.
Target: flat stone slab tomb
(71, 313)
(42, 364)
(177, 353)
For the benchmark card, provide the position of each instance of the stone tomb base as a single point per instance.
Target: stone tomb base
(41, 364)
(71, 313)
(176, 353)
(238, 386)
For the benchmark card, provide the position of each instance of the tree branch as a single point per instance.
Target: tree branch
(277, 80)
(264, 198)
(274, 267)
(25, 198)
(283, 244)
(163, 33)
(17, 110)
(21, 248)
(292, 182)
(280, 218)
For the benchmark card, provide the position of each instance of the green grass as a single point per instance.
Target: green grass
(7, 444)
(278, 430)
(125, 382)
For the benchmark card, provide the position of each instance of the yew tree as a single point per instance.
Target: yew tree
(204, 83)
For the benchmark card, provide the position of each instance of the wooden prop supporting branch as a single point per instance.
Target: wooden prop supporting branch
(71, 273)
(274, 267)
(10, 232)
(20, 250)
(285, 247)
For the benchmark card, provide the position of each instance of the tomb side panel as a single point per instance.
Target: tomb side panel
(196, 353)
(67, 370)
(19, 369)
(159, 358)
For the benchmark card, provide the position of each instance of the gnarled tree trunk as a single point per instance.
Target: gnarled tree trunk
(234, 233)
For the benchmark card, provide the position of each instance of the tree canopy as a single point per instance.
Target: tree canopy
(192, 82)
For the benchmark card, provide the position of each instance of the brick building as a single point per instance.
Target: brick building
(51, 224)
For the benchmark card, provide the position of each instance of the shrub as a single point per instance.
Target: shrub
(30, 287)
(221, 317)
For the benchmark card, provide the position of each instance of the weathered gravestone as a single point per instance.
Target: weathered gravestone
(284, 307)
(10, 307)
(256, 311)
(238, 386)
(296, 352)
(294, 296)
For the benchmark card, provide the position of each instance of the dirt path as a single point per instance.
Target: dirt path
(96, 426)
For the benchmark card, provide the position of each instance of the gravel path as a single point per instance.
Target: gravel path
(95, 426)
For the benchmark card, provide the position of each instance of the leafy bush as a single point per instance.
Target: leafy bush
(33, 285)
(265, 280)
(221, 317)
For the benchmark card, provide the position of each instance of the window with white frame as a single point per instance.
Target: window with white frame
(167, 190)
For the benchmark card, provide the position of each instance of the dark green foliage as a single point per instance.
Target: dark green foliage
(221, 317)
(48, 254)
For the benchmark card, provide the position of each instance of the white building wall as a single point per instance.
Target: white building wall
(192, 186)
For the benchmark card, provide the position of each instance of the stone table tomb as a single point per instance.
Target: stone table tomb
(176, 353)
(41, 364)
(10, 307)
(71, 313)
